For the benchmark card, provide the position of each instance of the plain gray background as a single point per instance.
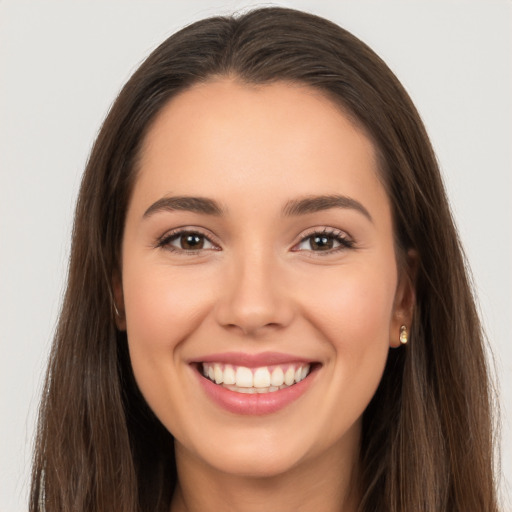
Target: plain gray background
(61, 65)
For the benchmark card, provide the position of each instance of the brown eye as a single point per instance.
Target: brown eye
(186, 241)
(191, 241)
(321, 242)
(324, 242)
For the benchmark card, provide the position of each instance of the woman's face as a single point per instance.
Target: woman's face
(258, 250)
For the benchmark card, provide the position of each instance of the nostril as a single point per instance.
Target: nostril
(254, 303)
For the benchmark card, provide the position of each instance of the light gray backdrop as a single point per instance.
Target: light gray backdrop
(61, 65)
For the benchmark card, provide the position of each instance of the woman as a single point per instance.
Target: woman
(267, 303)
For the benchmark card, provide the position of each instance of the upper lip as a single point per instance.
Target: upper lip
(251, 360)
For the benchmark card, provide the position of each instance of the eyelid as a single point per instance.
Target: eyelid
(163, 240)
(345, 240)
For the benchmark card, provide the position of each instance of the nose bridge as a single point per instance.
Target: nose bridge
(255, 297)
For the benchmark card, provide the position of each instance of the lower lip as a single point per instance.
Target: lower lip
(256, 403)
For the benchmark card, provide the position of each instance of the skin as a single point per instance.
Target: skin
(260, 285)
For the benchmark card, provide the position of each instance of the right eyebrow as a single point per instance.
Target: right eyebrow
(185, 203)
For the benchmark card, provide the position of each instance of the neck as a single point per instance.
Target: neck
(327, 483)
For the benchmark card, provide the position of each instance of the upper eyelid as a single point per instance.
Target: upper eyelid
(322, 230)
(186, 229)
(347, 240)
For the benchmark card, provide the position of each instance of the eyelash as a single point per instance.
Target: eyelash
(334, 234)
(165, 241)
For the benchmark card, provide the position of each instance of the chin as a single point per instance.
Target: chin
(256, 464)
(255, 453)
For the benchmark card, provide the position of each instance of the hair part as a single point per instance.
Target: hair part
(427, 441)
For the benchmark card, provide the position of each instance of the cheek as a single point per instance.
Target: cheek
(162, 308)
(354, 308)
(354, 318)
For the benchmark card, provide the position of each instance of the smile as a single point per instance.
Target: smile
(263, 379)
(254, 384)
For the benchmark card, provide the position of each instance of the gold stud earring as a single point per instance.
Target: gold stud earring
(403, 335)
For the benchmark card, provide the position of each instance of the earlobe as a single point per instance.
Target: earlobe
(118, 301)
(405, 301)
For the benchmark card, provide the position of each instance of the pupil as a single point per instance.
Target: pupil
(192, 241)
(322, 243)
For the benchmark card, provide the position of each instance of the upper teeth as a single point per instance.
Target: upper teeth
(261, 377)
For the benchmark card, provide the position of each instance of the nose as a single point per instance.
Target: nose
(255, 299)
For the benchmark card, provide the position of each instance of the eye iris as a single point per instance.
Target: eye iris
(322, 242)
(192, 241)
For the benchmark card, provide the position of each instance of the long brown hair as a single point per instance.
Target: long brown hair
(427, 440)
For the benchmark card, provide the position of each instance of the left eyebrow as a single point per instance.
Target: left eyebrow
(313, 204)
(185, 203)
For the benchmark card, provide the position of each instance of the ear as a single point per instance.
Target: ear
(405, 298)
(118, 298)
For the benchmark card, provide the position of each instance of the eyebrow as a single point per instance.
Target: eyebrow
(313, 204)
(185, 203)
(294, 207)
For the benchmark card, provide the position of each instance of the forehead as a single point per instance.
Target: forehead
(218, 103)
(226, 137)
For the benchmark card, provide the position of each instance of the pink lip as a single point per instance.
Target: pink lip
(250, 360)
(257, 403)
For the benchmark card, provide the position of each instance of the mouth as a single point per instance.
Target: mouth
(255, 384)
(261, 379)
